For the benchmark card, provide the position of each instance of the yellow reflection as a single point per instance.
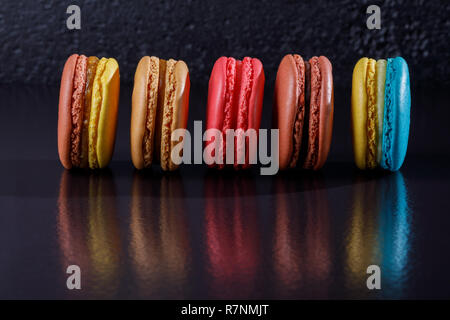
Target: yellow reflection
(160, 247)
(362, 243)
(232, 238)
(379, 231)
(88, 229)
(301, 237)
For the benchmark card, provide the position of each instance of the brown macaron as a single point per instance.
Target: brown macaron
(160, 105)
(303, 111)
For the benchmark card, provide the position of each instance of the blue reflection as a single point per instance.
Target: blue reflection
(394, 228)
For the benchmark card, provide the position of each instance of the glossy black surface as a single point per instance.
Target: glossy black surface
(199, 233)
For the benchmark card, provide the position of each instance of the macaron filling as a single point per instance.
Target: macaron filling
(92, 63)
(387, 123)
(169, 100)
(229, 101)
(79, 85)
(380, 84)
(305, 129)
(243, 110)
(371, 154)
(314, 115)
(300, 110)
(152, 101)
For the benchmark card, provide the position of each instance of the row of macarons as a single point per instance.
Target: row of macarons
(302, 111)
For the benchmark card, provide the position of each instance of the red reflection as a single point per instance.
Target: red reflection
(232, 238)
(72, 221)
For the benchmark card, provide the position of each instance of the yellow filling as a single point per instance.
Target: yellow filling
(371, 155)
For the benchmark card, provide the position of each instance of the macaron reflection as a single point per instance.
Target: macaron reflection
(301, 245)
(395, 230)
(379, 232)
(88, 230)
(231, 236)
(159, 238)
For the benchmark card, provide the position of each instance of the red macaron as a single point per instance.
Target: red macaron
(235, 97)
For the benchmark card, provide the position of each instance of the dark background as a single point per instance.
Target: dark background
(35, 41)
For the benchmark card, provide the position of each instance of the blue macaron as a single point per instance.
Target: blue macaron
(397, 106)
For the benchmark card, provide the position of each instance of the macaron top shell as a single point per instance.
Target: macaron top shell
(396, 114)
(103, 117)
(108, 113)
(326, 111)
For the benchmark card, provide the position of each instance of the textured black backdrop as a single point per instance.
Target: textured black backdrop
(35, 41)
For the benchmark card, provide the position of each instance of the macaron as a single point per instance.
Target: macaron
(303, 111)
(87, 117)
(235, 97)
(160, 105)
(381, 104)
